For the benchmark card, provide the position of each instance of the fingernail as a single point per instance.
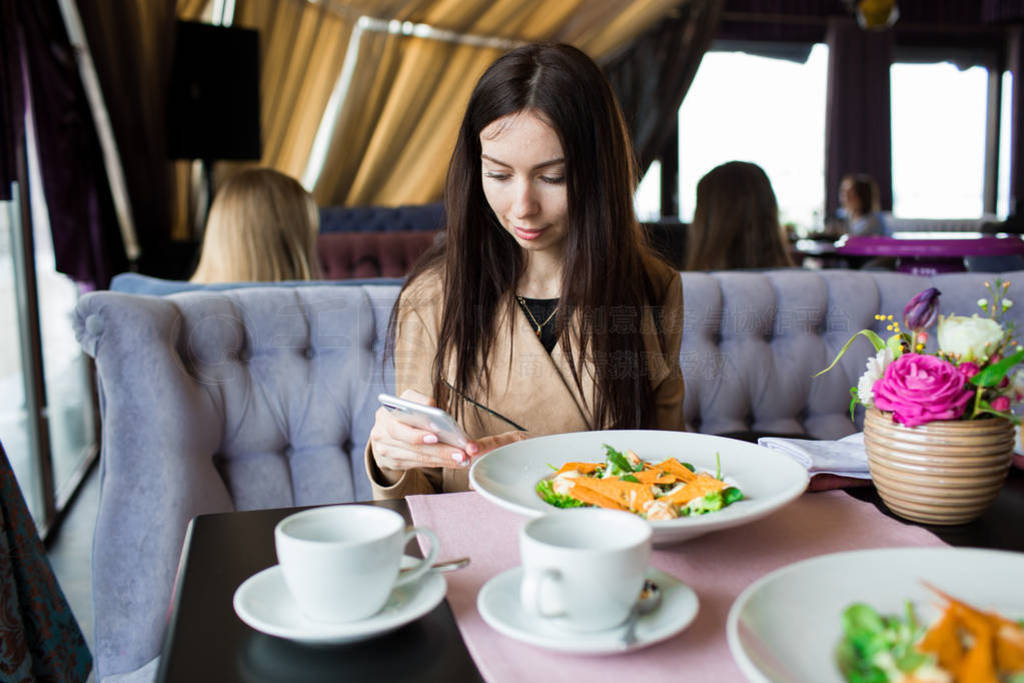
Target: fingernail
(459, 457)
(472, 449)
(430, 438)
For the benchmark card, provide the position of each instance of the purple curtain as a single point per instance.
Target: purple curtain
(858, 127)
(651, 77)
(86, 240)
(11, 102)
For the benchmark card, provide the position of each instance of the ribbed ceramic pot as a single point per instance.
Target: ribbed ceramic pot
(942, 472)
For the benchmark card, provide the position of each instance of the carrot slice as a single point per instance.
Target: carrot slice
(592, 497)
(653, 476)
(629, 494)
(943, 641)
(979, 664)
(998, 643)
(673, 466)
(1010, 647)
(581, 467)
(701, 486)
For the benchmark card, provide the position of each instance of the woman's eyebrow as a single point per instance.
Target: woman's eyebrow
(543, 164)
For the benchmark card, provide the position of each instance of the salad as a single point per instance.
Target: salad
(666, 490)
(964, 644)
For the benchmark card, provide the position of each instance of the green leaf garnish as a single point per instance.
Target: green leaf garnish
(993, 374)
(875, 340)
(548, 495)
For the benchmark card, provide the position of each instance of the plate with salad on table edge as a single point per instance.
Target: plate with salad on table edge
(767, 480)
(883, 615)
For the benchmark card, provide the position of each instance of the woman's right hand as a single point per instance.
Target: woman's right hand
(397, 447)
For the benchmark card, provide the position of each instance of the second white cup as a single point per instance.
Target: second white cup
(584, 569)
(341, 562)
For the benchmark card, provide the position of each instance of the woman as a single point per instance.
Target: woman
(543, 311)
(736, 221)
(858, 193)
(262, 227)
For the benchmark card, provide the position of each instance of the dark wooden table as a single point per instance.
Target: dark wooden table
(206, 641)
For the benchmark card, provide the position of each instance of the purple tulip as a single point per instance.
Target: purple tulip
(922, 310)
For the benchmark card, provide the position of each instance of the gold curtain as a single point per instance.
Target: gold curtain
(302, 50)
(392, 135)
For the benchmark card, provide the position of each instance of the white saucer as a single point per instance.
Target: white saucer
(498, 603)
(264, 603)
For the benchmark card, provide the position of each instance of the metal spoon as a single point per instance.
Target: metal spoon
(447, 565)
(648, 601)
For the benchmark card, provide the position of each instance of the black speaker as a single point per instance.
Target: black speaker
(213, 108)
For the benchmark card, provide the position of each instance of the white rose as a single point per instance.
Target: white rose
(1017, 386)
(875, 369)
(968, 337)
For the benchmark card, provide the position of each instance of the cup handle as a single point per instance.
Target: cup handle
(419, 569)
(530, 592)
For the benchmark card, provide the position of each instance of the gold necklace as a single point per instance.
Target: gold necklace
(538, 326)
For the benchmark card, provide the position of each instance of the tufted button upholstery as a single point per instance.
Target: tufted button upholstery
(752, 342)
(345, 255)
(427, 217)
(217, 401)
(190, 428)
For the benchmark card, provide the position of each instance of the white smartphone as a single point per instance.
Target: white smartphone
(425, 417)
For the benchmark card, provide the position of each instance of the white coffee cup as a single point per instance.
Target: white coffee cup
(583, 569)
(341, 562)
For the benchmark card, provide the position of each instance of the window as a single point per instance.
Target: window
(647, 200)
(938, 140)
(765, 110)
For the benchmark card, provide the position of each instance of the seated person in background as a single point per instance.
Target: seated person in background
(543, 311)
(858, 194)
(736, 221)
(262, 227)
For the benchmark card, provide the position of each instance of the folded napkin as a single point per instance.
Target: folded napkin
(845, 457)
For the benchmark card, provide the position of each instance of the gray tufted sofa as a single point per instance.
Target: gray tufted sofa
(263, 397)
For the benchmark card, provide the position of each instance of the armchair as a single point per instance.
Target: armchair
(214, 401)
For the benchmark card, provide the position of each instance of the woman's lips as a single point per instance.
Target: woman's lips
(528, 234)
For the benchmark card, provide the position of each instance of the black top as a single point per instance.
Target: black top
(541, 313)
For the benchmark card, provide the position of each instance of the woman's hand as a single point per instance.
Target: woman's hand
(489, 443)
(398, 447)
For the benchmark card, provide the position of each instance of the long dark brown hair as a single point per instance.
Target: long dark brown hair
(607, 260)
(736, 221)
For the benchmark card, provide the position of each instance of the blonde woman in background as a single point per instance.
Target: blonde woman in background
(736, 221)
(262, 227)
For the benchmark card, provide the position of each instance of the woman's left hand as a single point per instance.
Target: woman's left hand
(489, 443)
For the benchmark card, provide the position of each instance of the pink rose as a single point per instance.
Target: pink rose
(968, 369)
(919, 389)
(1001, 403)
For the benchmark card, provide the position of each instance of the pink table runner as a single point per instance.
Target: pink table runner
(717, 566)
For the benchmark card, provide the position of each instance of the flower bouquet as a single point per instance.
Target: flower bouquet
(939, 427)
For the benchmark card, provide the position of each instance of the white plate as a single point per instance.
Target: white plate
(508, 475)
(498, 603)
(786, 625)
(264, 603)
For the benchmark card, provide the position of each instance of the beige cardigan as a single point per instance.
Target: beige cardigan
(532, 388)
